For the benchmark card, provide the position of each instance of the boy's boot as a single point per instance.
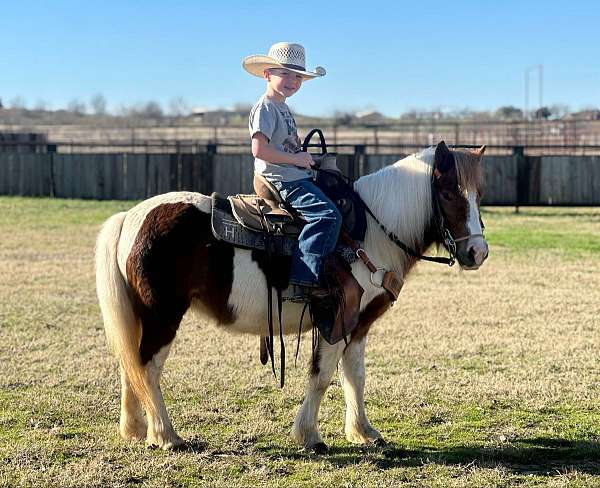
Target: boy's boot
(336, 313)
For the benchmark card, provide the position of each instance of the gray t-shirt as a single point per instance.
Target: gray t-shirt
(275, 121)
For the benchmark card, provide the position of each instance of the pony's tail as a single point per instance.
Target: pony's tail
(121, 324)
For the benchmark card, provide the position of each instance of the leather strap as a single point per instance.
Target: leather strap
(391, 282)
(360, 252)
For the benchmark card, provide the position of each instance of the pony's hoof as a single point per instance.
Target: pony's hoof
(320, 448)
(174, 443)
(380, 443)
(175, 446)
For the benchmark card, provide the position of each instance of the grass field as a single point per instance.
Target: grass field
(476, 379)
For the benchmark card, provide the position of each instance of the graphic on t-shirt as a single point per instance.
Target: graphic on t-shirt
(291, 144)
(289, 121)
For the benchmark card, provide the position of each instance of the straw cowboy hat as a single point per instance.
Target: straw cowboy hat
(281, 55)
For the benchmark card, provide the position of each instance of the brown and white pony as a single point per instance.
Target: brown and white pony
(160, 259)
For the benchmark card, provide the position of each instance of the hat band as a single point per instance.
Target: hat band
(293, 66)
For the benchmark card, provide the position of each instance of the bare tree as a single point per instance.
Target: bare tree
(40, 105)
(242, 107)
(542, 113)
(178, 107)
(342, 118)
(98, 104)
(151, 109)
(509, 112)
(17, 103)
(76, 106)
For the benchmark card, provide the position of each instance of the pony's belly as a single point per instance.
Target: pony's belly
(249, 300)
(254, 321)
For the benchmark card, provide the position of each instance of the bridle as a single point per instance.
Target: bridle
(448, 241)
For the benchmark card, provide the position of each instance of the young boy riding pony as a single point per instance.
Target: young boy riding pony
(280, 160)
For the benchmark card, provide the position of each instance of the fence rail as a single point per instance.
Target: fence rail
(40, 145)
(511, 179)
(426, 131)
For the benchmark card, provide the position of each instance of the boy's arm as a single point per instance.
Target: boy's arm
(261, 149)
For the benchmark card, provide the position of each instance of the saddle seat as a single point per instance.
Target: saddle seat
(265, 211)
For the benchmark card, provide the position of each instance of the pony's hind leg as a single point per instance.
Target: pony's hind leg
(132, 425)
(306, 428)
(160, 430)
(357, 426)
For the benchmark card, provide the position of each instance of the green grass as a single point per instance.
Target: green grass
(573, 232)
(475, 379)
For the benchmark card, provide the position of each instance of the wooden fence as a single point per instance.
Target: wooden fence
(23, 142)
(510, 180)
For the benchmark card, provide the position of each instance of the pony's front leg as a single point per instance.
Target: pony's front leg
(160, 430)
(357, 426)
(306, 428)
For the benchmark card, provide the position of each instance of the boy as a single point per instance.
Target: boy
(278, 158)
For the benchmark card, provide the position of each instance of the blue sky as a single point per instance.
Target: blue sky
(391, 56)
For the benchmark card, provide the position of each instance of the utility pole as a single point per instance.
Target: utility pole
(540, 69)
(526, 115)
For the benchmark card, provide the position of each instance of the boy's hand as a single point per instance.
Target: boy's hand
(303, 160)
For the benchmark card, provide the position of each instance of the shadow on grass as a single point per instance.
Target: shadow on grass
(541, 456)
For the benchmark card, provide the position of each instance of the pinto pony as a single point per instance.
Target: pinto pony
(160, 259)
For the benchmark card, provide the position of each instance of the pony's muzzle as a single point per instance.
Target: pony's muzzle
(474, 254)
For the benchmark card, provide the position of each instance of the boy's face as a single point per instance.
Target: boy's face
(283, 81)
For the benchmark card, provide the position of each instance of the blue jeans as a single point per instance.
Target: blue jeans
(319, 236)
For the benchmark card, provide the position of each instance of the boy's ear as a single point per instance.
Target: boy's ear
(266, 74)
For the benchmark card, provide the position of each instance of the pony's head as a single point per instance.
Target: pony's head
(457, 187)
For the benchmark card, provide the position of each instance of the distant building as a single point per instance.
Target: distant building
(592, 114)
(369, 117)
(210, 116)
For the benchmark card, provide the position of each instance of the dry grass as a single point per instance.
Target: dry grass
(476, 379)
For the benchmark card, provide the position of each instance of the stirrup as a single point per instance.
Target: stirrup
(302, 294)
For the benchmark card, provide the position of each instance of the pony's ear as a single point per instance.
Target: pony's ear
(479, 152)
(444, 161)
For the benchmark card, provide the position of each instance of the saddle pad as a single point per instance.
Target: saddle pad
(225, 227)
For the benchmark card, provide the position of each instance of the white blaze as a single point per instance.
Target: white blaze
(476, 242)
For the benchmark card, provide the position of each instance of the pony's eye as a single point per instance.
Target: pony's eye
(447, 196)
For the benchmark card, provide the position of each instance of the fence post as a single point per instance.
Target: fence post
(51, 150)
(208, 165)
(522, 182)
(356, 163)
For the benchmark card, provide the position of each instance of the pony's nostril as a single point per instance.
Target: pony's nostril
(471, 254)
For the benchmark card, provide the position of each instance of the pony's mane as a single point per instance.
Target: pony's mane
(468, 170)
(400, 195)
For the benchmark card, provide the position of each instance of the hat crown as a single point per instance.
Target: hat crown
(288, 53)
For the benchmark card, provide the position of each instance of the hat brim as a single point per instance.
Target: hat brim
(257, 64)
